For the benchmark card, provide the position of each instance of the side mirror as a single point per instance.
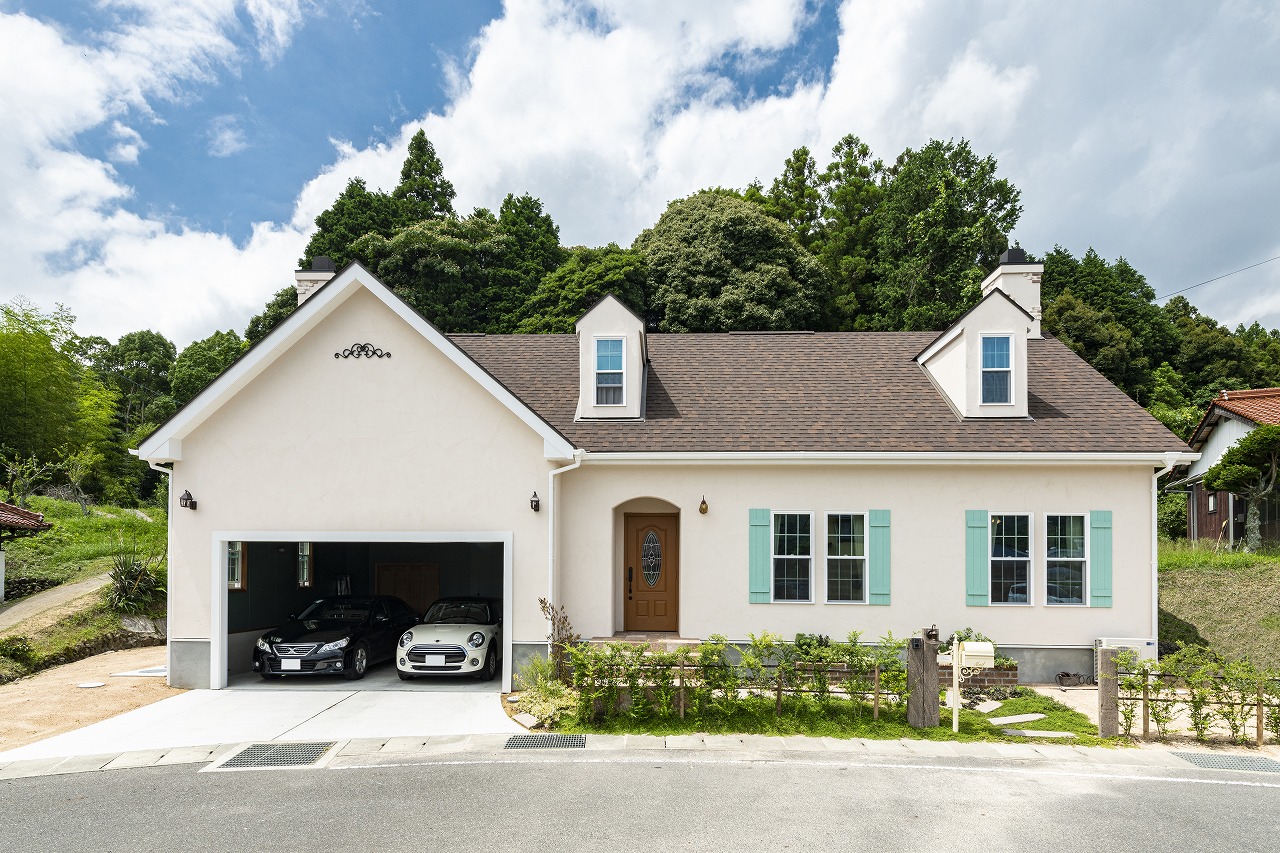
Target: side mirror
(380, 618)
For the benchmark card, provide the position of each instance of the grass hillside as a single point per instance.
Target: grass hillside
(77, 547)
(1227, 600)
(80, 546)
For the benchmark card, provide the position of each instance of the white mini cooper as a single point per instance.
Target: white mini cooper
(458, 636)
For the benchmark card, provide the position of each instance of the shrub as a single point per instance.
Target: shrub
(133, 585)
(18, 649)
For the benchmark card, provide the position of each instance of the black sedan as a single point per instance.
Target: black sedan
(345, 634)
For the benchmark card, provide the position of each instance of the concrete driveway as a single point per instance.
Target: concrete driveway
(250, 709)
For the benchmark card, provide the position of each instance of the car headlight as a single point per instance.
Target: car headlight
(476, 640)
(262, 644)
(335, 645)
(406, 638)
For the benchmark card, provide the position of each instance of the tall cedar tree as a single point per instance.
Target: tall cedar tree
(424, 193)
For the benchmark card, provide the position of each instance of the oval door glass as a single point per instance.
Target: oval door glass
(651, 558)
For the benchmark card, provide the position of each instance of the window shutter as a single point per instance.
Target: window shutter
(759, 556)
(878, 557)
(977, 567)
(1100, 558)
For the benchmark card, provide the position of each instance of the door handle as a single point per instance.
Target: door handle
(630, 572)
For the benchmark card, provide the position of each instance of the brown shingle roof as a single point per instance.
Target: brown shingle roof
(820, 392)
(14, 518)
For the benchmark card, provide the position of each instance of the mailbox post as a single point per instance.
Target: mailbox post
(967, 660)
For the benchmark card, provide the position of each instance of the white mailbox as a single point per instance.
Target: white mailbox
(976, 654)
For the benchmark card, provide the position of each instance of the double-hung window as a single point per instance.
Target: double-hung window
(304, 565)
(1066, 561)
(792, 556)
(846, 557)
(997, 369)
(609, 372)
(1010, 559)
(235, 565)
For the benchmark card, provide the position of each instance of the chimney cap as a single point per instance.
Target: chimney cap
(323, 263)
(1012, 255)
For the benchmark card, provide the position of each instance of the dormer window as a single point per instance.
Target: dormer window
(609, 372)
(997, 369)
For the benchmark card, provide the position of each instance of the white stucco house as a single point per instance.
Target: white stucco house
(657, 483)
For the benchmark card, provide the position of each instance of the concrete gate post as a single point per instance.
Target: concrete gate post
(1108, 695)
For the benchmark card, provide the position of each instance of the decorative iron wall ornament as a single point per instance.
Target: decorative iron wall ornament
(362, 351)
(651, 558)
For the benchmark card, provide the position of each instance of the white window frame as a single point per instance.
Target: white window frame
(1030, 558)
(1211, 501)
(238, 582)
(983, 370)
(827, 558)
(773, 557)
(596, 372)
(1084, 590)
(306, 566)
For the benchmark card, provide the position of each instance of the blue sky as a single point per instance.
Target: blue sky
(164, 161)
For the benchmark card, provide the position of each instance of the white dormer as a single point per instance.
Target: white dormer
(611, 362)
(980, 363)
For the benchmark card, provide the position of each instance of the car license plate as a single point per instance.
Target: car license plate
(435, 660)
(290, 664)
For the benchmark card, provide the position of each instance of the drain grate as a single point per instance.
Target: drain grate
(278, 755)
(546, 742)
(1230, 762)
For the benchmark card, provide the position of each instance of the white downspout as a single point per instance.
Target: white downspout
(552, 505)
(1170, 460)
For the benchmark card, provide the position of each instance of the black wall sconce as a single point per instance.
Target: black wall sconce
(702, 507)
(186, 501)
(534, 503)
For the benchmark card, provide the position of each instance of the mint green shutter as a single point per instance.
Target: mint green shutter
(1100, 558)
(977, 565)
(878, 556)
(760, 555)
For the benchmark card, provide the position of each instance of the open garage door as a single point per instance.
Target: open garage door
(271, 580)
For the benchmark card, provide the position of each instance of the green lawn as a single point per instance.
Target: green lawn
(843, 719)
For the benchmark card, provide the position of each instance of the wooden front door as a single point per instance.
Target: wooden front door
(651, 572)
(417, 584)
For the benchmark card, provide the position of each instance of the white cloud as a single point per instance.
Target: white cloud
(226, 136)
(1144, 134)
(61, 231)
(129, 143)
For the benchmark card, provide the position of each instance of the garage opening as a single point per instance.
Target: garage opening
(268, 582)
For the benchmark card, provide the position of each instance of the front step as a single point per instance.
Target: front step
(658, 641)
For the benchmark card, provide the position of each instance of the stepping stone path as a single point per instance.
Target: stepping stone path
(1017, 718)
(989, 706)
(529, 721)
(1032, 733)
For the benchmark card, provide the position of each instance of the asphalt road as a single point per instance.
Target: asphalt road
(582, 802)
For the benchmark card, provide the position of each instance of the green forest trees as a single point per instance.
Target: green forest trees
(717, 262)
(852, 244)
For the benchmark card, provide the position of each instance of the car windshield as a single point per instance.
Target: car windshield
(336, 609)
(457, 613)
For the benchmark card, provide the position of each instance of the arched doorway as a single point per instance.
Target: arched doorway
(650, 566)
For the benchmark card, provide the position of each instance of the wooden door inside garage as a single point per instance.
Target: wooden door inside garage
(418, 584)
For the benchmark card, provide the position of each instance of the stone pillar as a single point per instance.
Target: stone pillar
(1108, 695)
(922, 682)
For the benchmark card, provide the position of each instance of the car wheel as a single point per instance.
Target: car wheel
(490, 667)
(404, 676)
(358, 664)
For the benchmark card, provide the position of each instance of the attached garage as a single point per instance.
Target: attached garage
(272, 576)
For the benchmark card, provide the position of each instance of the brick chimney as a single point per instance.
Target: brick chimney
(1020, 281)
(309, 281)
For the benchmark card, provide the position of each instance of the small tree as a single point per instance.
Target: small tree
(1250, 469)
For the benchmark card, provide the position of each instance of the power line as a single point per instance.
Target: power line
(1218, 278)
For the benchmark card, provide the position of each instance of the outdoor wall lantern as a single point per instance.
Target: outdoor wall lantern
(702, 507)
(534, 503)
(186, 501)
